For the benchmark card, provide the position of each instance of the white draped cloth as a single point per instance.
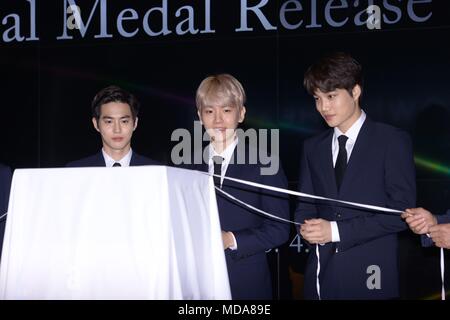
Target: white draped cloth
(113, 233)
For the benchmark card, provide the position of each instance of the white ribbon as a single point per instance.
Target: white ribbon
(442, 274)
(306, 195)
(254, 208)
(318, 272)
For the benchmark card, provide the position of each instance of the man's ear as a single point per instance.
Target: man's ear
(95, 123)
(135, 123)
(356, 92)
(242, 114)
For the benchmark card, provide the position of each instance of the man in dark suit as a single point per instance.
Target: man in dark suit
(246, 235)
(357, 160)
(435, 229)
(5, 185)
(115, 117)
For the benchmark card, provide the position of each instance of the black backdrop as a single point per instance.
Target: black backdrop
(47, 86)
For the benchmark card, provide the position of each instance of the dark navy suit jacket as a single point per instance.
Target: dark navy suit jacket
(97, 160)
(380, 172)
(443, 218)
(248, 268)
(5, 185)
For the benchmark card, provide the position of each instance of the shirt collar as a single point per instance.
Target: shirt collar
(124, 162)
(226, 154)
(353, 132)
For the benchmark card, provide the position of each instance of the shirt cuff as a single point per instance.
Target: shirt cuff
(234, 246)
(334, 232)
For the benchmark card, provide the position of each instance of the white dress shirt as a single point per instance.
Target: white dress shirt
(124, 162)
(352, 135)
(226, 155)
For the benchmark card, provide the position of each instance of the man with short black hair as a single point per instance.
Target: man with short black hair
(115, 116)
(357, 160)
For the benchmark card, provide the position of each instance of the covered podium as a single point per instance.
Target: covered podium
(113, 233)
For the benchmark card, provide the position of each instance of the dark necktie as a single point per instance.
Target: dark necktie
(117, 164)
(341, 161)
(217, 169)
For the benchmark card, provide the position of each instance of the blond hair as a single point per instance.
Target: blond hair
(222, 89)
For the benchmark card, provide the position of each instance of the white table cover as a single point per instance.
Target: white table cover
(148, 232)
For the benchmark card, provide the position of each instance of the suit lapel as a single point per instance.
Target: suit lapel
(201, 166)
(100, 160)
(234, 169)
(359, 152)
(325, 157)
(134, 159)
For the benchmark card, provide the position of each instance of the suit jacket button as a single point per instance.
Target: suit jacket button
(338, 215)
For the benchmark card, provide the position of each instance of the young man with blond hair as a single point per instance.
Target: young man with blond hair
(246, 235)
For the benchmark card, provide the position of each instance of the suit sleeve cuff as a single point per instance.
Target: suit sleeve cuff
(234, 246)
(334, 232)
